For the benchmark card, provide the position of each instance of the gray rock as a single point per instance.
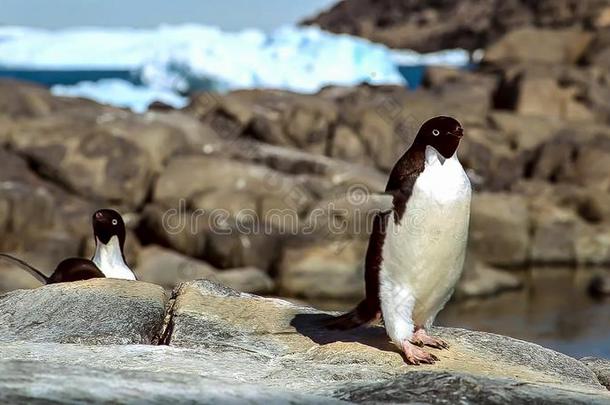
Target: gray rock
(247, 279)
(438, 387)
(168, 268)
(492, 161)
(27, 100)
(207, 174)
(539, 46)
(67, 373)
(545, 97)
(525, 132)
(480, 280)
(499, 228)
(553, 236)
(601, 368)
(469, 24)
(211, 317)
(101, 311)
(327, 269)
(87, 160)
(174, 227)
(153, 136)
(230, 347)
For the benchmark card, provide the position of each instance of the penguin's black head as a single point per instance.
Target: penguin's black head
(442, 133)
(108, 223)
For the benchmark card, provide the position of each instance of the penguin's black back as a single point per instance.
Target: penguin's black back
(74, 269)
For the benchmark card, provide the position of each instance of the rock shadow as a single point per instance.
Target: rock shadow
(313, 326)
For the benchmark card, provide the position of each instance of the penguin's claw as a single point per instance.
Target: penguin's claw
(416, 356)
(421, 338)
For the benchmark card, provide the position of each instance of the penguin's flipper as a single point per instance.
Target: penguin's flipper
(29, 268)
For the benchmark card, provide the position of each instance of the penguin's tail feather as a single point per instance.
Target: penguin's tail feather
(363, 314)
(30, 269)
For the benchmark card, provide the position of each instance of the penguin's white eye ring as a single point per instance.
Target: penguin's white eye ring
(115, 222)
(436, 132)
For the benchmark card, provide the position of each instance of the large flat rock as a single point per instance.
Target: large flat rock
(222, 346)
(134, 374)
(208, 316)
(101, 311)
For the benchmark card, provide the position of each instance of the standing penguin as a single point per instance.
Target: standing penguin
(108, 260)
(416, 250)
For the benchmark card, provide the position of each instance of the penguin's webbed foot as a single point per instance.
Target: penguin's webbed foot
(421, 338)
(415, 355)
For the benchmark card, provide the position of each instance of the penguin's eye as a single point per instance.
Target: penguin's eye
(115, 222)
(436, 132)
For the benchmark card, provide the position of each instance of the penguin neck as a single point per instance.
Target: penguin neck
(110, 260)
(435, 158)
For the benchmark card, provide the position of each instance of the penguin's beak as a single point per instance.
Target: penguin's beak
(458, 132)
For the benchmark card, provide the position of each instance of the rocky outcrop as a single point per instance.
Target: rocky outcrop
(210, 187)
(500, 228)
(222, 345)
(470, 24)
(329, 269)
(542, 46)
(168, 268)
(99, 311)
(601, 368)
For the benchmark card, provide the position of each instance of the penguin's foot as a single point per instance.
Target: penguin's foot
(421, 338)
(415, 355)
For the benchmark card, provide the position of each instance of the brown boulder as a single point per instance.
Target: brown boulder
(533, 45)
(207, 174)
(553, 237)
(499, 228)
(167, 268)
(173, 227)
(27, 100)
(543, 96)
(323, 269)
(446, 24)
(480, 280)
(493, 164)
(89, 161)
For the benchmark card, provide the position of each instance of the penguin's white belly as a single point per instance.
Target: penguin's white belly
(423, 254)
(109, 259)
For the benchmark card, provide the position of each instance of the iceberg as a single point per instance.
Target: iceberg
(169, 62)
(121, 93)
(186, 57)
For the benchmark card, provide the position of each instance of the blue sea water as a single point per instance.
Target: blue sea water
(124, 88)
(52, 77)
